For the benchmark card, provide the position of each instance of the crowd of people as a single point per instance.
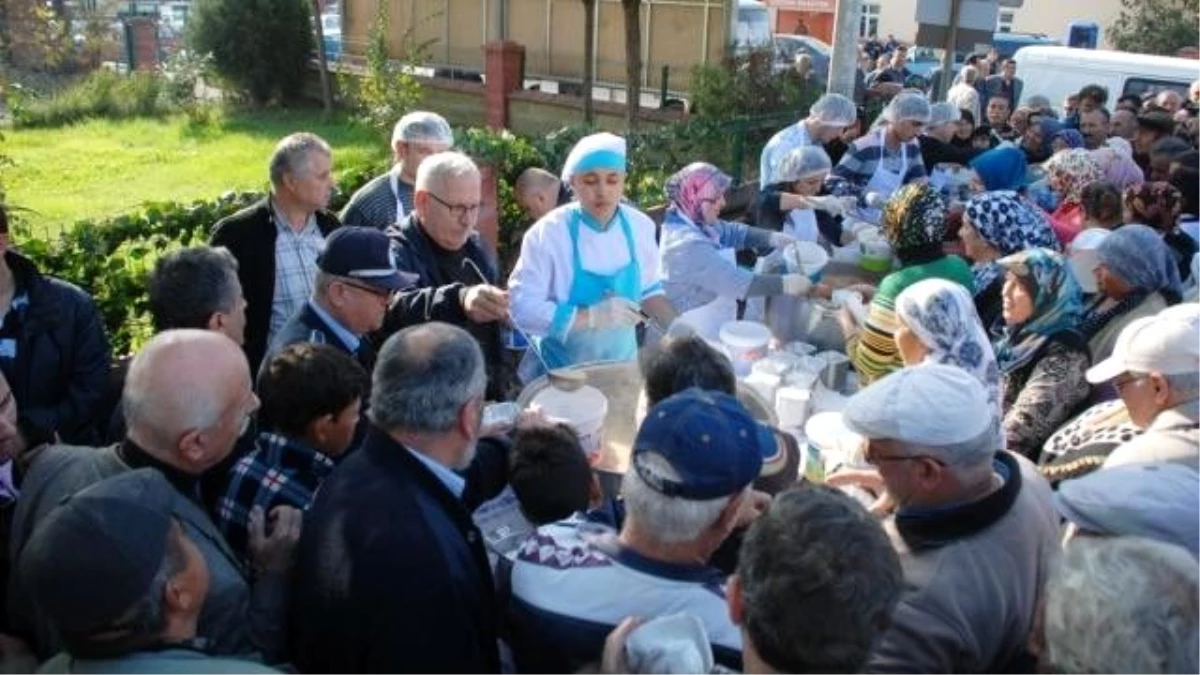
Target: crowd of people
(299, 470)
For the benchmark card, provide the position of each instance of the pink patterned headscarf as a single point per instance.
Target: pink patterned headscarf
(693, 185)
(1118, 168)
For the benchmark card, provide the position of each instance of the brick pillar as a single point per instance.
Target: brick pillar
(488, 222)
(143, 31)
(504, 69)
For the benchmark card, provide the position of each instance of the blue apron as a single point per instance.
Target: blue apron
(588, 288)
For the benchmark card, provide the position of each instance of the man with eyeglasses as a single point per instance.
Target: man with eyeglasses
(356, 279)
(456, 271)
(973, 526)
(1155, 368)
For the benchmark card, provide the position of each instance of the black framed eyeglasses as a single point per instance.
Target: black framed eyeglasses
(367, 288)
(456, 210)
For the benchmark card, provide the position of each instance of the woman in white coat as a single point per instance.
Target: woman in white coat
(588, 271)
(700, 272)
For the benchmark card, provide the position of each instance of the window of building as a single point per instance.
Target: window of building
(868, 25)
(1004, 21)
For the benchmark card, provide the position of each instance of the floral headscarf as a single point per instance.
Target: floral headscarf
(1071, 137)
(1073, 168)
(942, 315)
(1010, 225)
(1155, 204)
(914, 222)
(1057, 307)
(692, 186)
(1118, 168)
(1138, 255)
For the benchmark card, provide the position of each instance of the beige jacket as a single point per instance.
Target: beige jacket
(969, 598)
(1173, 436)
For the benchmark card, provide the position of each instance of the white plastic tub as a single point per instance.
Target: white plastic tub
(746, 342)
(584, 410)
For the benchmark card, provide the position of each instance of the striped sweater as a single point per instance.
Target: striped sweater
(873, 351)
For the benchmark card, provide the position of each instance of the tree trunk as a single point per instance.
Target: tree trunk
(633, 61)
(589, 61)
(322, 62)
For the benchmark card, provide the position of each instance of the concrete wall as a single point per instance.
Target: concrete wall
(676, 33)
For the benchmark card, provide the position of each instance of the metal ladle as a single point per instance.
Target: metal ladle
(560, 378)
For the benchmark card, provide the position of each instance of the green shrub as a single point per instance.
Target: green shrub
(261, 48)
(103, 93)
(111, 258)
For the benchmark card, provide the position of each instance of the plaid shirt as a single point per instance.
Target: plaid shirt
(865, 155)
(279, 471)
(295, 268)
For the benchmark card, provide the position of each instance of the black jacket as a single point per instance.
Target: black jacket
(934, 152)
(437, 298)
(391, 572)
(60, 378)
(249, 235)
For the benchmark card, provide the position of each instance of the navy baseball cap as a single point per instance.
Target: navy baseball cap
(708, 438)
(95, 555)
(363, 254)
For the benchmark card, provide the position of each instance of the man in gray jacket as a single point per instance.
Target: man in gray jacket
(132, 603)
(187, 399)
(1154, 367)
(974, 526)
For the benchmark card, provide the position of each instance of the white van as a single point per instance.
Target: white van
(1056, 72)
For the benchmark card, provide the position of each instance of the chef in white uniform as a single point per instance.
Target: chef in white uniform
(700, 272)
(791, 203)
(588, 272)
(827, 119)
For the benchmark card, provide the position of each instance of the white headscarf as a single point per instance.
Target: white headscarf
(942, 315)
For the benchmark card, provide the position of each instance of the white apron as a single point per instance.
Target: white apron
(802, 224)
(885, 182)
(708, 318)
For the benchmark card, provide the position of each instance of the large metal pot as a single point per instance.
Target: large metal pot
(621, 383)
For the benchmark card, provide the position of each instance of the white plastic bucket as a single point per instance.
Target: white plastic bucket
(827, 434)
(746, 342)
(584, 410)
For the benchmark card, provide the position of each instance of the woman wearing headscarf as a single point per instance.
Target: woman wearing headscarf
(936, 322)
(588, 271)
(996, 225)
(914, 223)
(1041, 354)
(1137, 277)
(1118, 167)
(1036, 140)
(1066, 139)
(1068, 171)
(1000, 169)
(1158, 205)
(700, 274)
(794, 204)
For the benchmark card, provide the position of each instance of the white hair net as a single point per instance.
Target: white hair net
(801, 163)
(834, 110)
(422, 127)
(907, 107)
(943, 113)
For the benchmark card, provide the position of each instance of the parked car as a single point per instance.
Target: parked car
(788, 47)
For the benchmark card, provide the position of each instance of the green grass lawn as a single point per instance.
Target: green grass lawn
(101, 168)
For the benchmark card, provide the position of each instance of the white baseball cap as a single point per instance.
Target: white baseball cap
(1166, 343)
(928, 404)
